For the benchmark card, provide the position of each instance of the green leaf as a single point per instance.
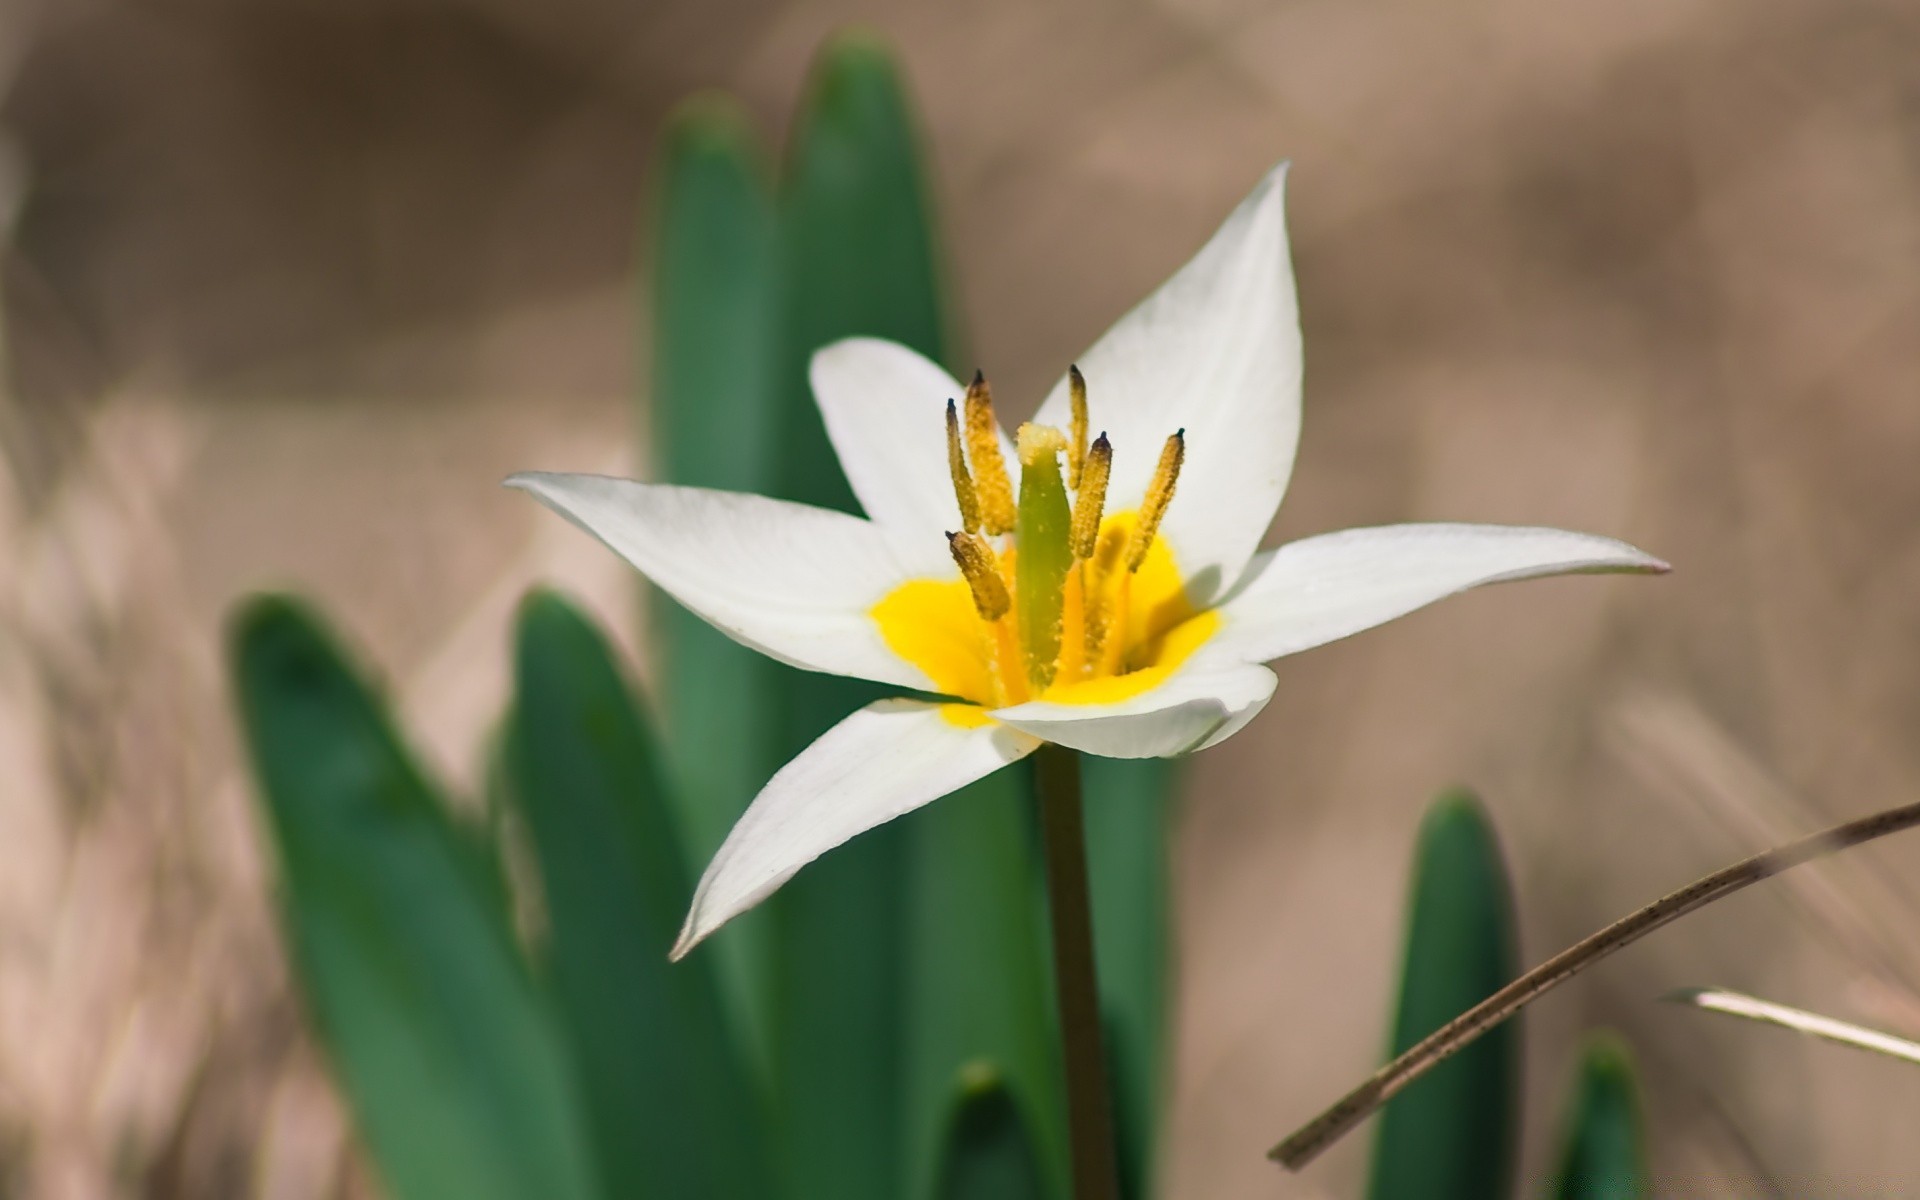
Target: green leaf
(715, 404)
(1454, 1133)
(980, 987)
(1604, 1154)
(1129, 809)
(457, 1077)
(988, 1152)
(859, 260)
(673, 1113)
(860, 244)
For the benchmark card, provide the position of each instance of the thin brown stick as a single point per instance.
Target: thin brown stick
(1089, 1103)
(1310, 1139)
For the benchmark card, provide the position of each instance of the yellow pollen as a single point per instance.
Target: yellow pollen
(1159, 495)
(1147, 628)
(991, 485)
(962, 482)
(1043, 608)
(982, 573)
(1077, 431)
(1090, 498)
(1094, 575)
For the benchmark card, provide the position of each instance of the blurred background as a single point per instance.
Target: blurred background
(289, 286)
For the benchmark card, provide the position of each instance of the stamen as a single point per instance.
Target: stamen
(982, 573)
(1159, 495)
(1091, 498)
(1077, 431)
(1073, 626)
(962, 482)
(1099, 608)
(1113, 654)
(991, 484)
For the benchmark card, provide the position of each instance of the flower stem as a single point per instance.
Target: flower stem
(1089, 1107)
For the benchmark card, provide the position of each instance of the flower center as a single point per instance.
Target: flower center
(1057, 598)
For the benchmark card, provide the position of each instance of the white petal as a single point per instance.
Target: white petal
(885, 408)
(1202, 703)
(886, 760)
(1215, 351)
(1320, 589)
(793, 582)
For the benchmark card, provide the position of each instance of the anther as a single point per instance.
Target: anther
(982, 573)
(1077, 430)
(1091, 498)
(962, 482)
(991, 484)
(1159, 495)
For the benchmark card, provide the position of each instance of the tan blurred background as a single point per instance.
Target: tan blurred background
(291, 284)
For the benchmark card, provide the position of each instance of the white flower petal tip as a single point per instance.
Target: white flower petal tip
(1321, 589)
(1216, 351)
(884, 761)
(793, 582)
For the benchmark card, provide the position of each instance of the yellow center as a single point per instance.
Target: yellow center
(933, 624)
(1056, 599)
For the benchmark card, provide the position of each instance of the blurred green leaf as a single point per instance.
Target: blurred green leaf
(1454, 1133)
(1604, 1153)
(859, 260)
(988, 1154)
(673, 1113)
(1129, 810)
(715, 403)
(457, 1077)
(981, 981)
(861, 256)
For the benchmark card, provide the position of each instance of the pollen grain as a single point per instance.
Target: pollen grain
(1159, 495)
(990, 481)
(1090, 497)
(1077, 429)
(982, 573)
(963, 492)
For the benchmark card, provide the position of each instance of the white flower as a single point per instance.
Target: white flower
(1063, 616)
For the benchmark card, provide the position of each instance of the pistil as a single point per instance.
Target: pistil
(1042, 533)
(1054, 599)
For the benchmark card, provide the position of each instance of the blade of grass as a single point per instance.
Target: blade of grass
(988, 1153)
(1129, 815)
(714, 409)
(1305, 1143)
(458, 1080)
(1604, 1155)
(673, 1111)
(859, 260)
(979, 978)
(1455, 1132)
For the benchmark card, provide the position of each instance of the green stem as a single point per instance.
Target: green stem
(1089, 1105)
